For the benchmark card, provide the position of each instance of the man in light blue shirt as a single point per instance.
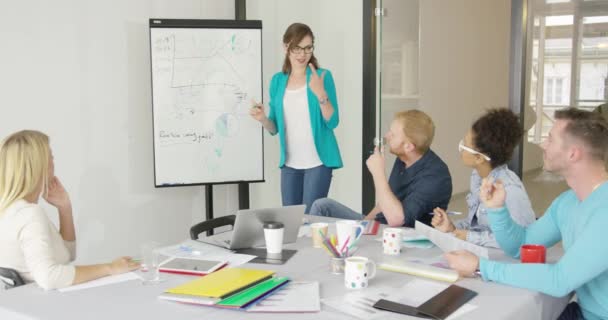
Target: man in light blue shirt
(577, 149)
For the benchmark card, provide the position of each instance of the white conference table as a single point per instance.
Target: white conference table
(132, 300)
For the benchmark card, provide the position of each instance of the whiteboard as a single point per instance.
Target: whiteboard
(204, 75)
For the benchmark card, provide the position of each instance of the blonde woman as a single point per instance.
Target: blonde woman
(29, 242)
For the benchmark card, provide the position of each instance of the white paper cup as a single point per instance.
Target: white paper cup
(273, 234)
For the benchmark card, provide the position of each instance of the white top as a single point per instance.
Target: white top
(301, 151)
(31, 244)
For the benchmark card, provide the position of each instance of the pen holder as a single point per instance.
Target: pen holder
(336, 265)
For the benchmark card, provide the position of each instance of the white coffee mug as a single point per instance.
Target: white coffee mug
(358, 271)
(391, 240)
(347, 230)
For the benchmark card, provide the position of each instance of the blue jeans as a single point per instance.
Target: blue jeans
(332, 208)
(304, 186)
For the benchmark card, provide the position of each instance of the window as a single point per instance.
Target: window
(568, 59)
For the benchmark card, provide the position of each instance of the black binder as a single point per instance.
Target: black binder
(438, 307)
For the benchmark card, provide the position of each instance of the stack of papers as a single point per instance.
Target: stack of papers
(412, 239)
(228, 288)
(296, 297)
(424, 291)
(359, 304)
(447, 242)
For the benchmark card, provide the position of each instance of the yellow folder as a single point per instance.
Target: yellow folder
(222, 283)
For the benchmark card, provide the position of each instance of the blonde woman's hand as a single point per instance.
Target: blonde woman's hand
(56, 195)
(122, 265)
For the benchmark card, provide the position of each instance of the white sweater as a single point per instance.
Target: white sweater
(31, 244)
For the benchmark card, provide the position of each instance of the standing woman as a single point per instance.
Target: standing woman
(304, 112)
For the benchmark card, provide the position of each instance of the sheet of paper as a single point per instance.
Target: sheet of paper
(447, 242)
(412, 239)
(297, 296)
(191, 249)
(425, 290)
(102, 282)
(359, 304)
(437, 261)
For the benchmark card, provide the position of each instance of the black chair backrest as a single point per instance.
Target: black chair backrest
(11, 278)
(208, 226)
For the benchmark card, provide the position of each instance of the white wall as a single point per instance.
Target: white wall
(464, 69)
(338, 47)
(79, 71)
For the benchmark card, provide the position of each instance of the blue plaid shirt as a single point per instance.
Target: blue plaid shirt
(518, 203)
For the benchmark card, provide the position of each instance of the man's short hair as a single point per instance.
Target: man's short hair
(588, 127)
(418, 127)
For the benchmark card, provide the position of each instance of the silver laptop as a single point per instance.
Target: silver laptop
(248, 231)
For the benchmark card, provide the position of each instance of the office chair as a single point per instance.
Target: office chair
(209, 226)
(11, 278)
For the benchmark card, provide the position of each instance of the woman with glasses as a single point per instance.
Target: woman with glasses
(487, 147)
(304, 112)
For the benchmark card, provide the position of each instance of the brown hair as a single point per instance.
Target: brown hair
(292, 37)
(418, 127)
(588, 127)
(497, 133)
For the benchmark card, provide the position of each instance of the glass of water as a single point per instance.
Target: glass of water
(150, 260)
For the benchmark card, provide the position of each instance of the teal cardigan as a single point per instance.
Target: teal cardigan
(322, 130)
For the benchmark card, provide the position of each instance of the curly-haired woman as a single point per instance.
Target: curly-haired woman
(487, 147)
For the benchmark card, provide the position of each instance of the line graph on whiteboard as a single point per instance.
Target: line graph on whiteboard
(203, 81)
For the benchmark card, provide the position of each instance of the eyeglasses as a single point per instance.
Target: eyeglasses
(462, 147)
(306, 50)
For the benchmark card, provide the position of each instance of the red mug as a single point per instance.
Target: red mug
(532, 253)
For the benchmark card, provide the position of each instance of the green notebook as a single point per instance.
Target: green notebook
(248, 296)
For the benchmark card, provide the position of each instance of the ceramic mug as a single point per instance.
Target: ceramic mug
(358, 271)
(348, 230)
(391, 241)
